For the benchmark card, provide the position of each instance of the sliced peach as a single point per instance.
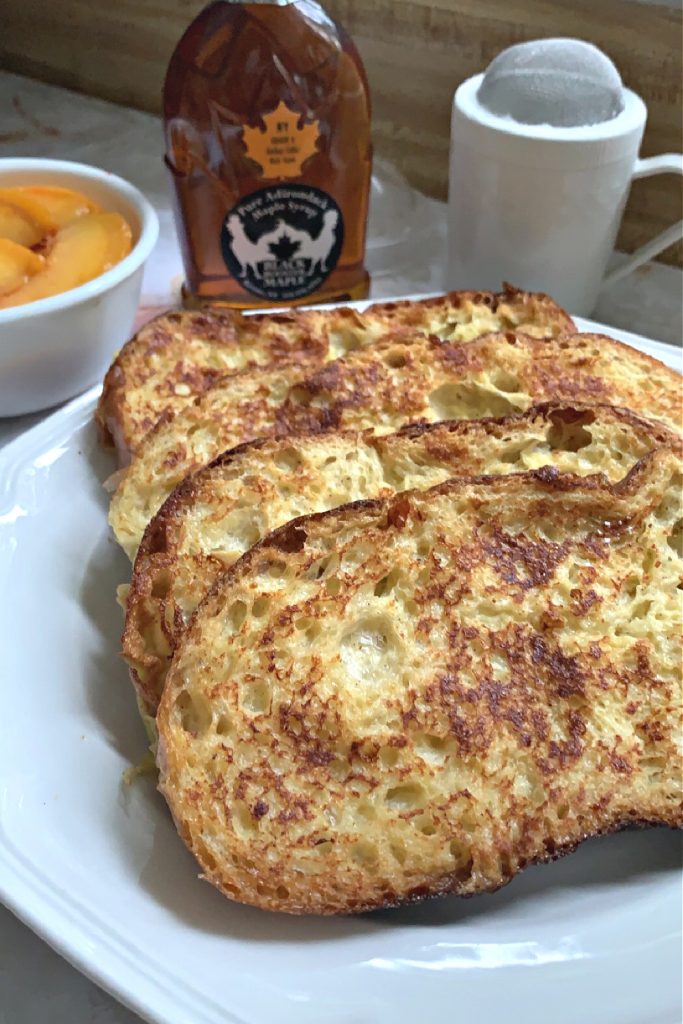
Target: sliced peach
(32, 207)
(16, 225)
(17, 265)
(82, 250)
(62, 204)
(120, 237)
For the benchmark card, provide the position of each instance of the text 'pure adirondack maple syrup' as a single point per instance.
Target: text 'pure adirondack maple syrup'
(267, 125)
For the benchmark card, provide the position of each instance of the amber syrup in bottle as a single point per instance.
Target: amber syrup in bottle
(267, 129)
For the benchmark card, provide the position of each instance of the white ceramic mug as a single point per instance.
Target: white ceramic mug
(539, 206)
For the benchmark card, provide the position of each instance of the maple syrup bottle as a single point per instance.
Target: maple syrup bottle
(267, 128)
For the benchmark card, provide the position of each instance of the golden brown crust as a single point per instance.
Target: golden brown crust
(423, 694)
(584, 368)
(383, 387)
(216, 514)
(533, 313)
(179, 355)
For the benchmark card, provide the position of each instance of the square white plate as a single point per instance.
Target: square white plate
(96, 868)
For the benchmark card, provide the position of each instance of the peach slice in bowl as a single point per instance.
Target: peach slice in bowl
(73, 244)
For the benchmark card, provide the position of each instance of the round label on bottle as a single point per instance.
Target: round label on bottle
(283, 242)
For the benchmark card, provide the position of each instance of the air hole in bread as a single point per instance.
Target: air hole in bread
(282, 892)
(506, 869)
(255, 696)
(224, 725)
(406, 797)
(162, 583)
(675, 538)
(323, 846)
(322, 400)
(318, 569)
(194, 712)
(654, 765)
(425, 824)
(314, 631)
(208, 859)
(505, 381)
(464, 862)
(277, 570)
(237, 613)
(388, 757)
(395, 359)
(365, 852)
(387, 583)
(512, 456)
(260, 606)
(332, 586)
(569, 435)
(562, 810)
(365, 811)
(338, 769)
(398, 852)
(631, 584)
(300, 396)
(342, 343)
(423, 548)
(243, 821)
(330, 460)
(287, 459)
(469, 401)
(432, 749)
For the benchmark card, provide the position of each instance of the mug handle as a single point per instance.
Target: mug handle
(667, 163)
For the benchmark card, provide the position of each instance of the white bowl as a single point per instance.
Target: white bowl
(55, 348)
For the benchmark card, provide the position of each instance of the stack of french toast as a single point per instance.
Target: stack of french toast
(405, 606)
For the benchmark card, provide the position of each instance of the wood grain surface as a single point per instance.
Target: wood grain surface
(416, 52)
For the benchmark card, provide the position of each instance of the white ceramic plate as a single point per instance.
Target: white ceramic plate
(95, 866)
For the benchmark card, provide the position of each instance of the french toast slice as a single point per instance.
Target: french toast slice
(384, 387)
(421, 695)
(181, 354)
(217, 514)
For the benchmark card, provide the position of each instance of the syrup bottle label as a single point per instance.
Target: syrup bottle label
(283, 145)
(282, 242)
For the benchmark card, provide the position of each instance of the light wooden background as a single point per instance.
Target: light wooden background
(416, 52)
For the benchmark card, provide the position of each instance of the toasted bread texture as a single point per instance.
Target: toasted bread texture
(423, 694)
(217, 514)
(181, 354)
(384, 387)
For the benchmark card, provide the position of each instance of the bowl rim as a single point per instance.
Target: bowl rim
(149, 233)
